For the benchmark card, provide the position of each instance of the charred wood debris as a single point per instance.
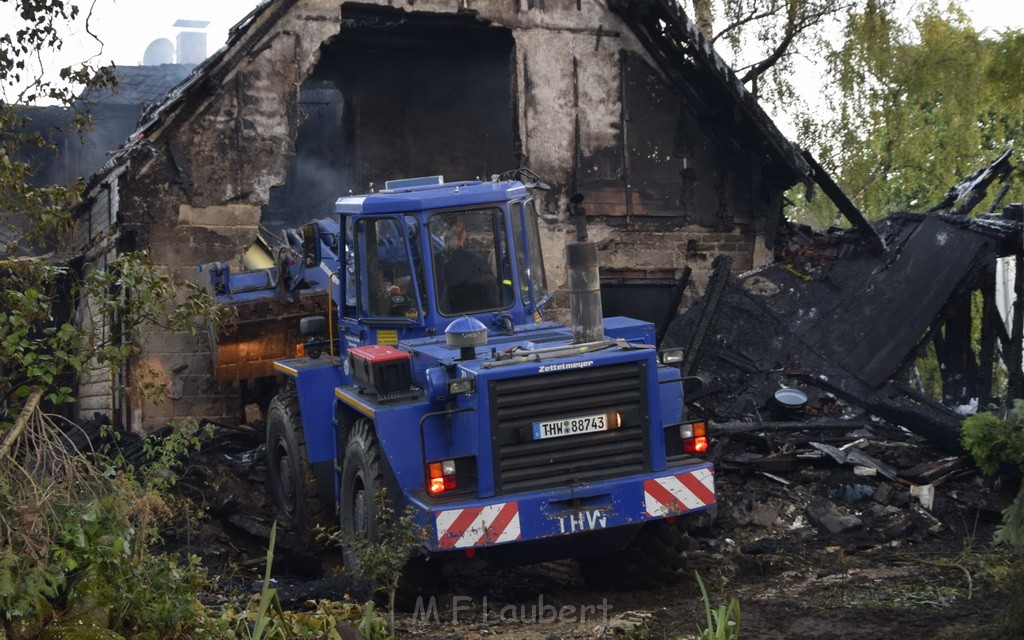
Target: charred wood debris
(821, 432)
(818, 416)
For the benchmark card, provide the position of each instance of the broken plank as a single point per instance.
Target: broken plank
(856, 457)
(730, 428)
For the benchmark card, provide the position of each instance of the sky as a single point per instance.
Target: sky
(128, 26)
(995, 14)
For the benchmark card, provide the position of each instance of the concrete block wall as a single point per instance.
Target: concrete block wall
(665, 253)
(96, 388)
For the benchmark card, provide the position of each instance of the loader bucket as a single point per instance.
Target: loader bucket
(260, 332)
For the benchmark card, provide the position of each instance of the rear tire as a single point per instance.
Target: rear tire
(292, 482)
(656, 557)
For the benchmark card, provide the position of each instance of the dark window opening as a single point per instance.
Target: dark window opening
(390, 290)
(399, 95)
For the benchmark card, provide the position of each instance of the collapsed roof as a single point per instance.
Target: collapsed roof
(836, 318)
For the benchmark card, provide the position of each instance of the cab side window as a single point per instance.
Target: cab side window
(387, 290)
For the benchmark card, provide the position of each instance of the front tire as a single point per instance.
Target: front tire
(362, 477)
(292, 483)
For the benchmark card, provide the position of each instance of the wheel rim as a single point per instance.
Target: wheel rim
(360, 515)
(285, 482)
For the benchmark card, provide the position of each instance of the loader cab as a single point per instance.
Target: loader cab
(420, 256)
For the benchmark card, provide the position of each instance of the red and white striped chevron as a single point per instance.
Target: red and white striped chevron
(478, 526)
(673, 495)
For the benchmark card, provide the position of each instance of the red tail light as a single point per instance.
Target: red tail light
(441, 477)
(695, 439)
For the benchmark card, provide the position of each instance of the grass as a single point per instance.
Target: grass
(723, 621)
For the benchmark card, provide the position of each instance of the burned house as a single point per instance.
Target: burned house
(626, 103)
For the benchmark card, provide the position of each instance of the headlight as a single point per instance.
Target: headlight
(670, 356)
(459, 386)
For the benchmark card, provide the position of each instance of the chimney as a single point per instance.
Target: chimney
(191, 41)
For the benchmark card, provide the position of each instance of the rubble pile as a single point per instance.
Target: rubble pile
(823, 432)
(860, 489)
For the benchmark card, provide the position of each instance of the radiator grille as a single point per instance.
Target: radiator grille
(524, 464)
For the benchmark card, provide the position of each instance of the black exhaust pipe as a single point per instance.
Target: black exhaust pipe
(584, 279)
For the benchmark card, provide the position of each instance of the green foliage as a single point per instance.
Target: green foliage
(164, 456)
(265, 618)
(75, 533)
(904, 101)
(318, 620)
(382, 561)
(36, 216)
(37, 347)
(269, 606)
(154, 592)
(38, 26)
(914, 107)
(367, 626)
(131, 293)
(724, 621)
(1012, 531)
(994, 440)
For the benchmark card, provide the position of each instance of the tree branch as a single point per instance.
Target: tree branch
(795, 25)
(732, 26)
(88, 29)
(19, 425)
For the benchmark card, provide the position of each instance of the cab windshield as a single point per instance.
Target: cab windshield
(472, 266)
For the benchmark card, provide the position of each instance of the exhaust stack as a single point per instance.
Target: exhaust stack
(584, 279)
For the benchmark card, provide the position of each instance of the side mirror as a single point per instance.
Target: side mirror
(311, 245)
(312, 325)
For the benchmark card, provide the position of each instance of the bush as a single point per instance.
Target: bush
(995, 441)
(76, 538)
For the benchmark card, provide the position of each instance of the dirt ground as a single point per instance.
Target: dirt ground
(805, 586)
(893, 569)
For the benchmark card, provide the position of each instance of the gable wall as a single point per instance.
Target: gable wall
(660, 199)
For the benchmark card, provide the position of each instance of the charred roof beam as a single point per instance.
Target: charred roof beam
(844, 204)
(964, 196)
(703, 77)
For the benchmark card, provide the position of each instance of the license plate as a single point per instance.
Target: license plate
(570, 426)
